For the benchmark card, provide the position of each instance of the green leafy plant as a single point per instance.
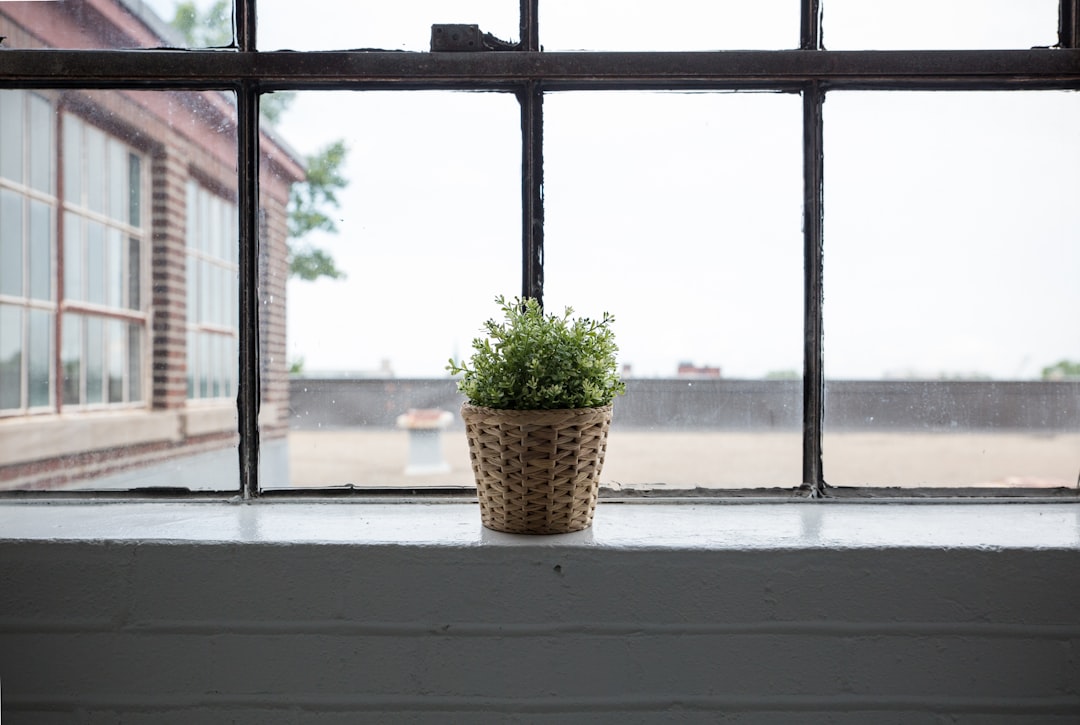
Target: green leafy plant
(537, 361)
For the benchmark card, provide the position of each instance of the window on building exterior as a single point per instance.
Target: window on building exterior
(211, 294)
(120, 282)
(836, 237)
(104, 236)
(28, 311)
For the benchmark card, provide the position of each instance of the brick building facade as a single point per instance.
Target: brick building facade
(118, 268)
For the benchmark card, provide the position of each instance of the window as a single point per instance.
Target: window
(211, 294)
(805, 239)
(104, 321)
(27, 247)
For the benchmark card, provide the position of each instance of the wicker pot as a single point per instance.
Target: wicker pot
(537, 471)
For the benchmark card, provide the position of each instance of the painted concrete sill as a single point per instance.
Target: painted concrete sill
(618, 526)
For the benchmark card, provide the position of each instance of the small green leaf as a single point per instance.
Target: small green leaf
(531, 360)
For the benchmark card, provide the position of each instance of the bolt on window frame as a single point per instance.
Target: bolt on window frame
(526, 71)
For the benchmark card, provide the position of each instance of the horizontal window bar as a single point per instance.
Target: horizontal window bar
(879, 69)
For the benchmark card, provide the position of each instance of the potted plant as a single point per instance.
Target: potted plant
(539, 392)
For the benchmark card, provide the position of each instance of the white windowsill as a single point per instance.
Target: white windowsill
(617, 526)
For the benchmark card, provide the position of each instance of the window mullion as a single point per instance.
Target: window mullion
(813, 358)
(1069, 24)
(532, 184)
(248, 395)
(532, 164)
(246, 24)
(530, 29)
(811, 25)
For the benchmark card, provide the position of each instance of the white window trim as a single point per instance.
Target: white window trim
(697, 525)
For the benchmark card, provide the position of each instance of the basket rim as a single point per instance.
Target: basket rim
(485, 409)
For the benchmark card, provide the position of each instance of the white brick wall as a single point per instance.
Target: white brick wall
(344, 613)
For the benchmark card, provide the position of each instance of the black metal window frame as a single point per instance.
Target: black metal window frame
(529, 73)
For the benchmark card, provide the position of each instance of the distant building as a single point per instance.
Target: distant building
(689, 370)
(118, 267)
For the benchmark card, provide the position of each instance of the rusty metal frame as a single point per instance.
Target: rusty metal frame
(529, 73)
(778, 69)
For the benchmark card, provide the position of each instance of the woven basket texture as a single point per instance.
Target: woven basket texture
(537, 471)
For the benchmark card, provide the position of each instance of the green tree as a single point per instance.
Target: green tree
(1062, 370)
(212, 29)
(273, 105)
(310, 204)
(311, 201)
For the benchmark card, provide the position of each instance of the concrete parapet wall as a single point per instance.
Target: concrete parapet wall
(687, 404)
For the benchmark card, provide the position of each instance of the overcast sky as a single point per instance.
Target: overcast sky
(952, 245)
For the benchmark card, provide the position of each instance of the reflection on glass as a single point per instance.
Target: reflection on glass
(77, 268)
(39, 348)
(40, 244)
(939, 24)
(11, 357)
(428, 232)
(95, 168)
(681, 214)
(12, 123)
(11, 243)
(71, 358)
(95, 257)
(95, 361)
(674, 25)
(370, 24)
(117, 358)
(39, 116)
(951, 296)
(134, 363)
(144, 24)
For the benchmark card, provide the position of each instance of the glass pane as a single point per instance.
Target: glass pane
(671, 26)
(95, 263)
(117, 358)
(193, 281)
(95, 169)
(114, 268)
(134, 274)
(119, 201)
(11, 243)
(74, 160)
(40, 354)
(41, 272)
(71, 358)
(192, 365)
(95, 360)
(950, 288)
(233, 351)
(11, 357)
(42, 123)
(217, 365)
(428, 233)
(151, 435)
(939, 24)
(134, 191)
(202, 240)
(134, 362)
(693, 241)
(206, 387)
(74, 286)
(12, 105)
(226, 364)
(206, 291)
(401, 25)
(145, 24)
